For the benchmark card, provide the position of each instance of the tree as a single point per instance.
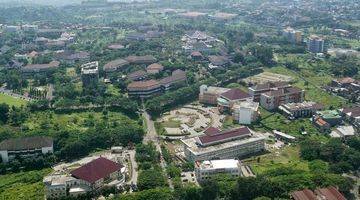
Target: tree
(310, 149)
(210, 190)
(151, 179)
(4, 112)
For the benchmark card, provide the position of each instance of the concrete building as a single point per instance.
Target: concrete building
(245, 112)
(316, 44)
(299, 110)
(209, 94)
(144, 89)
(343, 132)
(115, 65)
(141, 59)
(292, 35)
(257, 90)
(227, 144)
(283, 136)
(71, 57)
(230, 97)
(25, 147)
(91, 176)
(205, 170)
(90, 73)
(274, 98)
(352, 115)
(333, 117)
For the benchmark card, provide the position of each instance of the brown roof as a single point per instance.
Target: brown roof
(115, 46)
(26, 143)
(176, 76)
(352, 112)
(346, 80)
(330, 193)
(143, 85)
(53, 64)
(137, 74)
(235, 94)
(155, 66)
(141, 59)
(224, 135)
(96, 170)
(219, 60)
(115, 64)
(196, 54)
(303, 195)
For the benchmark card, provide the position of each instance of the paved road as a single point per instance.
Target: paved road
(134, 168)
(151, 135)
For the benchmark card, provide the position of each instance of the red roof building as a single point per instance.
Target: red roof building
(219, 137)
(304, 195)
(329, 193)
(96, 170)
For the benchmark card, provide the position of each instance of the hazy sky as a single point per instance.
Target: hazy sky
(46, 2)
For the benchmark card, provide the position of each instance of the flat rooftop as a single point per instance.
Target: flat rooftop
(218, 164)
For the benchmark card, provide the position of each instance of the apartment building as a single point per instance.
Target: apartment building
(25, 147)
(293, 36)
(227, 144)
(90, 73)
(299, 110)
(274, 98)
(316, 44)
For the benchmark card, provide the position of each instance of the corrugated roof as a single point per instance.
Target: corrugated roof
(303, 195)
(96, 169)
(26, 143)
(225, 135)
(330, 193)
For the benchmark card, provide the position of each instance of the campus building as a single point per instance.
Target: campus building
(40, 68)
(205, 170)
(292, 35)
(245, 112)
(91, 176)
(25, 147)
(274, 98)
(115, 65)
(144, 89)
(230, 97)
(299, 110)
(329, 193)
(227, 144)
(257, 90)
(210, 94)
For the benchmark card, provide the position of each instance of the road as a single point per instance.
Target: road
(151, 135)
(134, 167)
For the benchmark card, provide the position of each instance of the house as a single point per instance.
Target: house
(115, 46)
(343, 132)
(300, 110)
(329, 193)
(283, 136)
(115, 65)
(40, 68)
(321, 124)
(205, 170)
(332, 117)
(25, 147)
(228, 144)
(245, 112)
(229, 98)
(218, 61)
(257, 90)
(274, 98)
(137, 75)
(210, 94)
(352, 115)
(144, 89)
(154, 68)
(196, 55)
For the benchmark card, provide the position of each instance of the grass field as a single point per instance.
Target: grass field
(12, 101)
(23, 185)
(289, 155)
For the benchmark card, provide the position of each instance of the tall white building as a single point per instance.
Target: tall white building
(245, 112)
(316, 44)
(204, 170)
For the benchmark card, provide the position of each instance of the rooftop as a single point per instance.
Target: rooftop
(155, 66)
(270, 85)
(141, 59)
(90, 68)
(53, 64)
(235, 94)
(283, 91)
(246, 104)
(214, 90)
(303, 105)
(330, 193)
(115, 64)
(224, 136)
(304, 195)
(177, 75)
(26, 143)
(143, 85)
(352, 111)
(329, 114)
(96, 169)
(218, 164)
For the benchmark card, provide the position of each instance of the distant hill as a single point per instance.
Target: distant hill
(41, 2)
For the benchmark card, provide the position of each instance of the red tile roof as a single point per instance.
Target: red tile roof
(212, 131)
(96, 170)
(143, 85)
(235, 94)
(303, 195)
(224, 136)
(330, 193)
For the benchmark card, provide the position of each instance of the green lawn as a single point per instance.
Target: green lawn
(288, 156)
(12, 101)
(23, 185)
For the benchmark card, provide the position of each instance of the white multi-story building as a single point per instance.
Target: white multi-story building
(245, 112)
(205, 170)
(25, 147)
(228, 144)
